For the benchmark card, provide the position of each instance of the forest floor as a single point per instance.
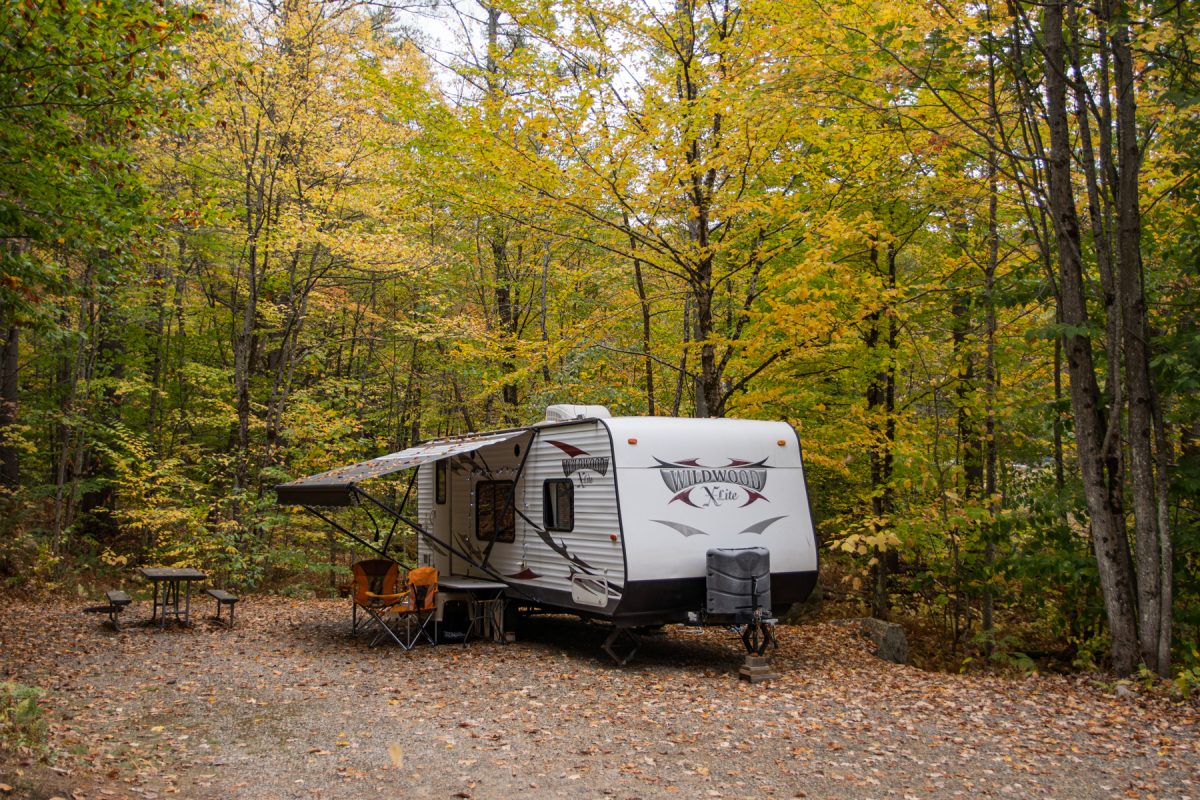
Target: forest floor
(286, 705)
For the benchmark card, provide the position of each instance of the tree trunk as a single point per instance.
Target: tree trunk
(1108, 530)
(881, 403)
(970, 452)
(506, 308)
(242, 367)
(1136, 341)
(644, 303)
(1167, 563)
(506, 311)
(10, 455)
(991, 381)
(543, 312)
(707, 386)
(160, 347)
(1096, 173)
(96, 502)
(681, 376)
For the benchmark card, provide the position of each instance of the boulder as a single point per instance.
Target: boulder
(807, 610)
(891, 644)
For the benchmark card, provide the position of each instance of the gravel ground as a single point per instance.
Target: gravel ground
(287, 705)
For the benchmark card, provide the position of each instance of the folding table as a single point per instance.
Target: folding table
(486, 603)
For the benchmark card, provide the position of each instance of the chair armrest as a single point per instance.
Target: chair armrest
(399, 596)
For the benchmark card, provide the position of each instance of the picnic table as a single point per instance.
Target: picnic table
(167, 602)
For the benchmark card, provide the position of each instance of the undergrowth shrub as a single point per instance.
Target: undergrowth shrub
(22, 722)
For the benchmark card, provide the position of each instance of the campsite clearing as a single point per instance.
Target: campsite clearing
(286, 705)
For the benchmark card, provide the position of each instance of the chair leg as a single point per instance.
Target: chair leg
(423, 628)
(385, 630)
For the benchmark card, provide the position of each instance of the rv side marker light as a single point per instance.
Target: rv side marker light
(633, 441)
(781, 443)
(612, 536)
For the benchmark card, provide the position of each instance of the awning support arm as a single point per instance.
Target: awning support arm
(327, 520)
(356, 490)
(510, 501)
(396, 520)
(374, 524)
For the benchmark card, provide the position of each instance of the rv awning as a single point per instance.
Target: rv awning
(335, 487)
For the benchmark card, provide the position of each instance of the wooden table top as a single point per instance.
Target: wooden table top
(173, 574)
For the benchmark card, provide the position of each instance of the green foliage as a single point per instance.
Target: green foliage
(80, 81)
(1187, 679)
(1004, 654)
(22, 721)
(262, 245)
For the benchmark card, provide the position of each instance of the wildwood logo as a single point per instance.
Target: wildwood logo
(705, 487)
(578, 460)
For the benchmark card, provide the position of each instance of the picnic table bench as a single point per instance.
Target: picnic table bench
(117, 600)
(223, 598)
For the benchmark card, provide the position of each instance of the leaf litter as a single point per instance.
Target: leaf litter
(287, 705)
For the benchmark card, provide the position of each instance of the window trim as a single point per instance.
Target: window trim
(546, 507)
(503, 535)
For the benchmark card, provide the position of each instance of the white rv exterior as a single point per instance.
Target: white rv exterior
(613, 517)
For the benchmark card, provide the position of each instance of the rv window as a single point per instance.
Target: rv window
(558, 504)
(439, 482)
(492, 501)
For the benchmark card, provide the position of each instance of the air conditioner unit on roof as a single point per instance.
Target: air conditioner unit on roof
(565, 412)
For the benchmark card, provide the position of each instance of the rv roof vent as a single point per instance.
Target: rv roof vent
(565, 412)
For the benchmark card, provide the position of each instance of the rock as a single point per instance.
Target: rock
(807, 610)
(891, 644)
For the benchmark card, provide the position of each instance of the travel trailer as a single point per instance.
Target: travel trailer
(627, 519)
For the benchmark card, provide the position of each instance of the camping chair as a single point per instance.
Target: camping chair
(418, 612)
(376, 590)
(423, 585)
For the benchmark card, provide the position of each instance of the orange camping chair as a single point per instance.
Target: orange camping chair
(423, 586)
(417, 612)
(376, 591)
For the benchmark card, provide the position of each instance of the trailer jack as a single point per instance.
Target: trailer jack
(758, 635)
(633, 641)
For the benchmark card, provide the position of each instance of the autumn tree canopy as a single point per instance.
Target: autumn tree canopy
(954, 244)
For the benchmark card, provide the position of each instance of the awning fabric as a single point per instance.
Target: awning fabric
(334, 488)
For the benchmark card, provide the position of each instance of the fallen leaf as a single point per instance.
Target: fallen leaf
(396, 753)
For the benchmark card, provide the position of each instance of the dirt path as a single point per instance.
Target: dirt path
(287, 706)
